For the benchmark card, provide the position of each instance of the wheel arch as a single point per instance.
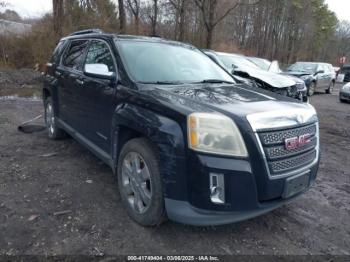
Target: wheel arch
(130, 121)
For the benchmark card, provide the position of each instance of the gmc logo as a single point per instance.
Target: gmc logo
(296, 142)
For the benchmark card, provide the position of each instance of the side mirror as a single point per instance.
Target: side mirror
(234, 68)
(99, 71)
(319, 72)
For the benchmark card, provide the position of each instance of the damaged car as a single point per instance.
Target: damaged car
(184, 139)
(317, 76)
(241, 66)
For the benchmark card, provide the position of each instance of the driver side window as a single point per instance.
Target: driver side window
(99, 53)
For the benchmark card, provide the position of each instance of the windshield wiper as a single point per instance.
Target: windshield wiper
(162, 83)
(214, 81)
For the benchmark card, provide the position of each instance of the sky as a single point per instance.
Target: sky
(341, 8)
(36, 8)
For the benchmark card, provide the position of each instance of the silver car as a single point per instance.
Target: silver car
(344, 94)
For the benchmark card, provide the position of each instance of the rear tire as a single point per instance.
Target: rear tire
(140, 182)
(54, 132)
(311, 89)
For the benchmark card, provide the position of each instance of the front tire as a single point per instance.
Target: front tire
(140, 183)
(54, 132)
(311, 89)
(330, 88)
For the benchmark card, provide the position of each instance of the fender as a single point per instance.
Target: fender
(168, 138)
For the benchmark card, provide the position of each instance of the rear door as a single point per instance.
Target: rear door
(70, 81)
(97, 96)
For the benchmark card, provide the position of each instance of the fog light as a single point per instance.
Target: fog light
(217, 188)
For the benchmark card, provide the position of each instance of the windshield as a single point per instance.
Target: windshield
(149, 62)
(232, 62)
(261, 63)
(303, 67)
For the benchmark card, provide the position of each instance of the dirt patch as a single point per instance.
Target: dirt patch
(19, 78)
(57, 198)
(24, 83)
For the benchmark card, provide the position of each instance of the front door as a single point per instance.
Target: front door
(97, 96)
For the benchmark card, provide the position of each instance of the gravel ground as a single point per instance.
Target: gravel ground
(57, 198)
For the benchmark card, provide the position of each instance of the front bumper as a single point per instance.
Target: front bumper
(243, 199)
(344, 95)
(183, 212)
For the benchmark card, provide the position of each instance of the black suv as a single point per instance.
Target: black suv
(186, 142)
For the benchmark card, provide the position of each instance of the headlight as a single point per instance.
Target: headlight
(346, 87)
(214, 133)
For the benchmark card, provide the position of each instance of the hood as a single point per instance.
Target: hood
(296, 79)
(272, 79)
(235, 100)
(297, 73)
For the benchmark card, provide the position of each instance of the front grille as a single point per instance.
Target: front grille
(281, 160)
(292, 163)
(278, 137)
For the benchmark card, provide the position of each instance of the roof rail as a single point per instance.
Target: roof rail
(87, 31)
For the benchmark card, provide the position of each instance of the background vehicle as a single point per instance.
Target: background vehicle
(177, 130)
(241, 66)
(317, 76)
(344, 94)
(346, 71)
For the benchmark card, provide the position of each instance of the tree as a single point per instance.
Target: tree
(180, 7)
(134, 6)
(57, 18)
(153, 16)
(211, 16)
(121, 16)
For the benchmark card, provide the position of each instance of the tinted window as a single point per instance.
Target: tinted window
(75, 54)
(323, 67)
(157, 62)
(99, 53)
(304, 67)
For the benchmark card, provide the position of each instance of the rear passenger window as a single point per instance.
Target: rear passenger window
(99, 53)
(75, 54)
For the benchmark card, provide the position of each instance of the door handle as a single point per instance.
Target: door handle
(80, 82)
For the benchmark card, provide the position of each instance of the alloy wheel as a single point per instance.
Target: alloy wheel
(312, 89)
(136, 182)
(50, 118)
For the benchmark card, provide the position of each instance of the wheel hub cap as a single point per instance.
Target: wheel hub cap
(136, 182)
(50, 118)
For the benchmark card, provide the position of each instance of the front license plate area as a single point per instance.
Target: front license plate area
(296, 184)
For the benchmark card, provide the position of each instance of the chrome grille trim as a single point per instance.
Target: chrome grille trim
(302, 169)
(278, 137)
(278, 152)
(285, 165)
